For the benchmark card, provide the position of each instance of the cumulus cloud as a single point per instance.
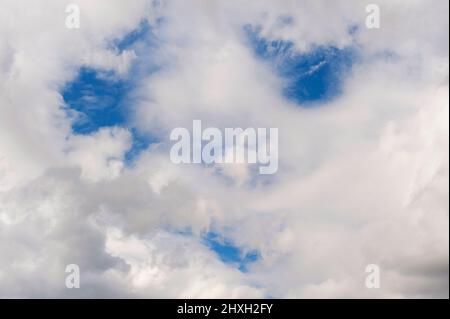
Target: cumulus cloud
(362, 179)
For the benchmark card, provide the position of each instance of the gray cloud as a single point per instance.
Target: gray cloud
(363, 178)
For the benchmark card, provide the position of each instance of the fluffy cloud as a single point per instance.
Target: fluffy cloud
(363, 177)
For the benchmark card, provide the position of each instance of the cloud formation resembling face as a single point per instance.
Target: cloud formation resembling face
(86, 177)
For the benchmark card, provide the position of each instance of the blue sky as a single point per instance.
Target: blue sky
(362, 115)
(229, 253)
(312, 77)
(103, 99)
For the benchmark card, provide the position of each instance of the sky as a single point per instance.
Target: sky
(86, 178)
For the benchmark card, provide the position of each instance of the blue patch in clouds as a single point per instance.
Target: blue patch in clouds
(101, 99)
(98, 99)
(137, 35)
(229, 253)
(314, 76)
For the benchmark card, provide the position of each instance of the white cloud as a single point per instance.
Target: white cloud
(362, 179)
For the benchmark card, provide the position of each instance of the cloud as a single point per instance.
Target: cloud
(362, 179)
